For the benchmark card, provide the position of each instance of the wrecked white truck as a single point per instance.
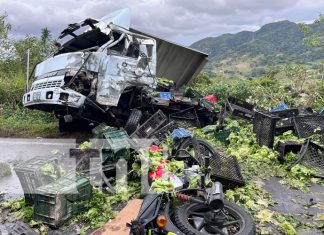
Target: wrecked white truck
(102, 68)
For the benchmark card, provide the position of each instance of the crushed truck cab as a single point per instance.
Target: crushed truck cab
(96, 65)
(103, 69)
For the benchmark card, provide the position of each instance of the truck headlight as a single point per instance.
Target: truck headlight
(74, 98)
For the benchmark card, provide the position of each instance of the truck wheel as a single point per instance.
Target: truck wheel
(133, 121)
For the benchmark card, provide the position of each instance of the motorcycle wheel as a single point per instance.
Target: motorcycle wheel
(194, 219)
(205, 149)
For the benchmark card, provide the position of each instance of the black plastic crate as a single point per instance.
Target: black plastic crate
(239, 108)
(20, 228)
(283, 126)
(286, 113)
(55, 203)
(226, 170)
(285, 147)
(150, 126)
(160, 135)
(264, 126)
(185, 118)
(309, 125)
(31, 176)
(286, 121)
(311, 155)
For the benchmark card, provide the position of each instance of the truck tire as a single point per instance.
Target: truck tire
(133, 121)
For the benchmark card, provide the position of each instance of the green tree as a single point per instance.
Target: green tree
(5, 27)
(312, 38)
(5, 45)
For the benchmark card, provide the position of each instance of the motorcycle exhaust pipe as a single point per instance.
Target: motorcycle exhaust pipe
(215, 196)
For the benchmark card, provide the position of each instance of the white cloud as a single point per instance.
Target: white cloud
(183, 21)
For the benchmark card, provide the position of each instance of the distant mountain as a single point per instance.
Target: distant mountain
(250, 53)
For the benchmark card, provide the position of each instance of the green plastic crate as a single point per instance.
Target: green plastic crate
(55, 203)
(222, 135)
(99, 130)
(116, 140)
(209, 105)
(31, 176)
(109, 157)
(192, 93)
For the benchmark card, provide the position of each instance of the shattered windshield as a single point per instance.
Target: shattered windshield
(80, 36)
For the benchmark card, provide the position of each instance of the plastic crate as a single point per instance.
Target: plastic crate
(150, 126)
(222, 135)
(186, 118)
(287, 113)
(160, 135)
(239, 108)
(285, 147)
(100, 129)
(311, 155)
(208, 105)
(309, 125)
(56, 202)
(280, 108)
(117, 140)
(192, 93)
(264, 126)
(31, 177)
(82, 158)
(226, 170)
(20, 228)
(165, 95)
(116, 146)
(180, 133)
(160, 101)
(109, 157)
(164, 84)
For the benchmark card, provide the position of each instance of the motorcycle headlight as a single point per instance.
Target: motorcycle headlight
(74, 98)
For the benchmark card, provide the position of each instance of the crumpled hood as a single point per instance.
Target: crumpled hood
(71, 60)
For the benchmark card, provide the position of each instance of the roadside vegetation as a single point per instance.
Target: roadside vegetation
(293, 85)
(15, 120)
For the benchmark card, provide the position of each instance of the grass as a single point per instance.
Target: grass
(17, 121)
(20, 122)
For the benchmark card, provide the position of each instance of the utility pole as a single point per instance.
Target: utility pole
(27, 71)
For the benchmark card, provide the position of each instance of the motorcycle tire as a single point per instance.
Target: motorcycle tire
(182, 218)
(215, 159)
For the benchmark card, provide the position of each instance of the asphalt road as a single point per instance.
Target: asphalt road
(13, 151)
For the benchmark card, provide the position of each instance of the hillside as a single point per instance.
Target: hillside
(250, 53)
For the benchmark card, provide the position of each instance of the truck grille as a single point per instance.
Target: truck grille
(49, 84)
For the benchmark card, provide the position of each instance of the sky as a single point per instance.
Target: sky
(180, 21)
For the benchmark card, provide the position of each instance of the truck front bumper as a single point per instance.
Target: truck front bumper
(53, 96)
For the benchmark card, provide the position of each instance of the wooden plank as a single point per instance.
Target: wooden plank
(117, 226)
